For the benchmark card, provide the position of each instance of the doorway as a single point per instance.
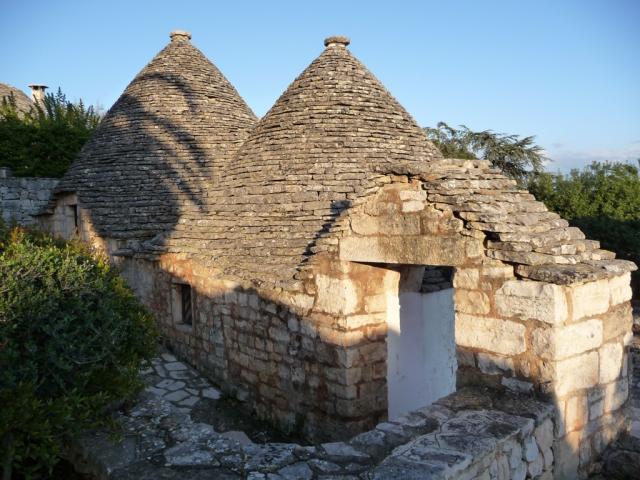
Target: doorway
(421, 349)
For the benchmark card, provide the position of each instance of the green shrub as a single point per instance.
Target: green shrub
(44, 141)
(72, 340)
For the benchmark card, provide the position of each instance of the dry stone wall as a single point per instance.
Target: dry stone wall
(471, 434)
(22, 197)
(301, 360)
(313, 356)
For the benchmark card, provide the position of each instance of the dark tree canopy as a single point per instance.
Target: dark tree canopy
(45, 140)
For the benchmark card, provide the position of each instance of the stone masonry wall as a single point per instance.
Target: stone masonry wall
(563, 342)
(581, 334)
(294, 355)
(21, 197)
(313, 357)
(70, 219)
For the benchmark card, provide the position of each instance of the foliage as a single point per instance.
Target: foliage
(72, 340)
(603, 199)
(517, 157)
(44, 141)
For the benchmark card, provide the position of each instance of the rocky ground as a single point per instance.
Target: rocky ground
(193, 394)
(182, 427)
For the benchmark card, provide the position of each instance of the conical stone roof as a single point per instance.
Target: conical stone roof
(23, 102)
(162, 146)
(307, 160)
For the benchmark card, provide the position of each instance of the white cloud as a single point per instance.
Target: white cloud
(565, 158)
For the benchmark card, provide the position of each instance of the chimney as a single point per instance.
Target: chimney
(37, 92)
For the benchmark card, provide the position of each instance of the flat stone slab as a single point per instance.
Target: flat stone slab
(212, 393)
(174, 366)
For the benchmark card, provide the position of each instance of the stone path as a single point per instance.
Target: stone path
(474, 433)
(178, 383)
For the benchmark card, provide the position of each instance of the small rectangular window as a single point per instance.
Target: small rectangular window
(186, 306)
(75, 215)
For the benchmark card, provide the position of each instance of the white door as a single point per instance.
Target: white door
(421, 350)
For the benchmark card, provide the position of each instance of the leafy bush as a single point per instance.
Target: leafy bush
(44, 141)
(72, 340)
(603, 199)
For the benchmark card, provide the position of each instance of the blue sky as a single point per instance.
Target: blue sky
(565, 71)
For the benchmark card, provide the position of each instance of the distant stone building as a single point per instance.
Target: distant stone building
(23, 102)
(327, 265)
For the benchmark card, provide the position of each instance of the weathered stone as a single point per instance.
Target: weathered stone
(589, 298)
(544, 435)
(494, 365)
(175, 366)
(561, 342)
(414, 250)
(472, 301)
(336, 295)
(532, 300)
(339, 451)
(576, 412)
(170, 385)
(176, 396)
(297, 471)
(620, 289)
(391, 225)
(576, 373)
(516, 385)
(466, 278)
(611, 356)
(531, 452)
(615, 395)
(566, 456)
(189, 454)
(617, 322)
(413, 206)
(500, 336)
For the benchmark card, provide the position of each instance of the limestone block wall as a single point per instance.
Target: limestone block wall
(299, 356)
(567, 343)
(580, 336)
(21, 197)
(312, 356)
(399, 227)
(69, 219)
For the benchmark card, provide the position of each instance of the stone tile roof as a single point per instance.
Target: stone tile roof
(164, 143)
(312, 154)
(518, 229)
(179, 165)
(23, 102)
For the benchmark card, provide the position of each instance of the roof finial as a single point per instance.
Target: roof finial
(337, 40)
(180, 35)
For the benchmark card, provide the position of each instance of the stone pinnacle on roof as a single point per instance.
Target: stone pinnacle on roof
(339, 40)
(180, 35)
